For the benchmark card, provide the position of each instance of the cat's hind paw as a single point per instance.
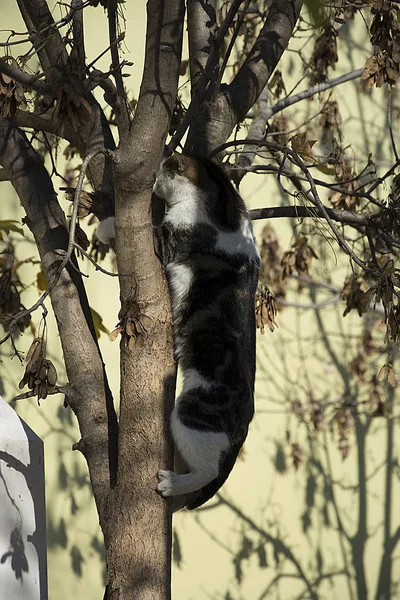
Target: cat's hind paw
(165, 485)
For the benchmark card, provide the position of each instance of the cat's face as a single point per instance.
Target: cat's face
(176, 172)
(201, 189)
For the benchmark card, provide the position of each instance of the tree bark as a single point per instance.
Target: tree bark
(138, 538)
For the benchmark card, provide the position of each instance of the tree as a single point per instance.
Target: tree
(121, 143)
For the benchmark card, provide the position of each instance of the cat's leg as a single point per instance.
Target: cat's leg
(201, 450)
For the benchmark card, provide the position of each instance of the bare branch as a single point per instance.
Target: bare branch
(89, 396)
(315, 89)
(38, 20)
(310, 305)
(94, 263)
(78, 49)
(146, 402)
(214, 123)
(202, 26)
(123, 121)
(264, 113)
(229, 49)
(32, 82)
(264, 56)
(341, 216)
(256, 131)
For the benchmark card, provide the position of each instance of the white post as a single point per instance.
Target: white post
(23, 564)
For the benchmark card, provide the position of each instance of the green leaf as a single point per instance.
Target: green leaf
(98, 323)
(9, 225)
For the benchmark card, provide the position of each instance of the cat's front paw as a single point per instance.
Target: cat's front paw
(165, 483)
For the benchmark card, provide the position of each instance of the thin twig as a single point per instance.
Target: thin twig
(389, 118)
(94, 263)
(314, 193)
(56, 25)
(310, 305)
(315, 89)
(122, 114)
(229, 50)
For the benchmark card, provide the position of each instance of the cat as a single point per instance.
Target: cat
(211, 262)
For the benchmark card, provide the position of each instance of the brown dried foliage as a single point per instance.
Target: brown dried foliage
(346, 178)
(299, 258)
(383, 66)
(325, 54)
(12, 94)
(10, 286)
(277, 128)
(356, 295)
(133, 326)
(265, 309)
(40, 373)
(271, 268)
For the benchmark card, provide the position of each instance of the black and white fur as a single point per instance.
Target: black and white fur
(211, 260)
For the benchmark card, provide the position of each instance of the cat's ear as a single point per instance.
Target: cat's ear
(175, 163)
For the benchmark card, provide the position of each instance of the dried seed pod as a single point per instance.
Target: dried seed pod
(36, 342)
(51, 373)
(42, 390)
(114, 333)
(36, 358)
(23, 382)
(42, 372)
(31, 380)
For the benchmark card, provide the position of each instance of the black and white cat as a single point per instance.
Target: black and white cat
(211, 260)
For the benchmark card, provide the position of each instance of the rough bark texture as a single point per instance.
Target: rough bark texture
(138, 539)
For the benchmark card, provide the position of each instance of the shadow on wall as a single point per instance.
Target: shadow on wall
(23, 570)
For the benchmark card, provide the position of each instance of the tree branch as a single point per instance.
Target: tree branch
(89, 395)
(341, 216)
(123, 121)
(192, 113)
(202, 26)
(264, 56)
(256, 131)
(38, 20)
(78, 49)
(315, 89)
(30, 81)
(265, 112)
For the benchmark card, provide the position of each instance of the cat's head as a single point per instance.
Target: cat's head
(181, 179)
